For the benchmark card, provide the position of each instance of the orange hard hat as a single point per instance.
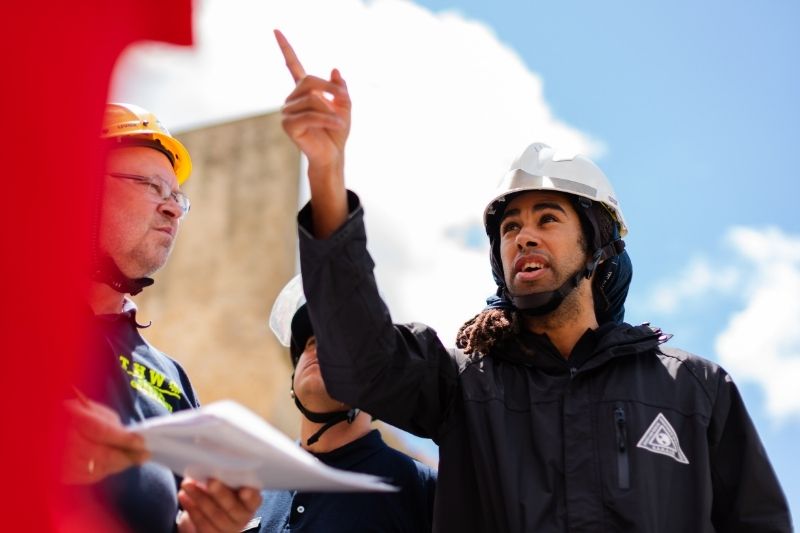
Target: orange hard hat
(131, 122)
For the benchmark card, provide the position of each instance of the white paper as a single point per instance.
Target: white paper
(227, 441)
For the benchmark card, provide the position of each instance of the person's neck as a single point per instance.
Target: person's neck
(567, 323)
(335, 436)
(103, 299)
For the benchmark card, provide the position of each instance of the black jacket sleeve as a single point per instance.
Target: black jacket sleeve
(747, 496)
(399, 373)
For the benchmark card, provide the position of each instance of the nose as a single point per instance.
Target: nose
(525, 239)
(170, 208)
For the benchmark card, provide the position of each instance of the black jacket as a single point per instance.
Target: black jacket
(637, 438)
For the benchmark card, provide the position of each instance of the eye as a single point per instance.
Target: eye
(510, 225)
(152, 187)
(548, 217)
(164, 189)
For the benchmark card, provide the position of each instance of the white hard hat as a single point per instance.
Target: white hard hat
(540, 168)
(290, 299)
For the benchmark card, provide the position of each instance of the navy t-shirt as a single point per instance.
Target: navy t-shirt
(138, 382)
(410, 509)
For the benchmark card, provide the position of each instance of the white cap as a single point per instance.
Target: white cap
(290, 299)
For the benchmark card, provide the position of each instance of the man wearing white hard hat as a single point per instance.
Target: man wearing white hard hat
(552, 414)
(341, 437)
(136, 222)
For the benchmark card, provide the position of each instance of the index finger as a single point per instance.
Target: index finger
(295, 68)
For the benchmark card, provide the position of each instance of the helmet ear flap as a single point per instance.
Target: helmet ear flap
(496, 263)
(492, 218)
(598, 227)
(611, 284)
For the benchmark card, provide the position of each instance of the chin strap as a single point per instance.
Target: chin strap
(328, 419)
(541, 303)
(106, 271)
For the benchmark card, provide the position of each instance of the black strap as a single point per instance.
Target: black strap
(328, 419)
(541, 303)
(106, 271)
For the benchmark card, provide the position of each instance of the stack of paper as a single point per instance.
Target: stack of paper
(227, 441)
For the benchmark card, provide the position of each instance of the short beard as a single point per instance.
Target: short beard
(568, 311)
(146, 264)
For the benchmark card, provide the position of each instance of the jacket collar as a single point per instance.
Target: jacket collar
(592, 350)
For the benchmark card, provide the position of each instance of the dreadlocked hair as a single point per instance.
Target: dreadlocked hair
(486, 330)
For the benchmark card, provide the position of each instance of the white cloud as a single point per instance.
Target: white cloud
(761, 343)
(441, 108)
(696, 281)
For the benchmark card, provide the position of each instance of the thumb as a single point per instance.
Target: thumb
(185, 524)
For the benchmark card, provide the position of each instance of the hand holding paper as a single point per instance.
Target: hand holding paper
(228, 442)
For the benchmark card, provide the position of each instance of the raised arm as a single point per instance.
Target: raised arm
(401, 374)
(316, 116)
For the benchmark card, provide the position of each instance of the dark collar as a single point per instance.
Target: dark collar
(592, 349)
(352, 453)
(128, 314)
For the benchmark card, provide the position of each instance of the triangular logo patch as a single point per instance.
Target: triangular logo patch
(661, 438)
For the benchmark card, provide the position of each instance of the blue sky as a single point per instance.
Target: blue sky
(690, 108)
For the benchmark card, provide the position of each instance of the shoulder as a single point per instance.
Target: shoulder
(701, 367)
(424, 472)
(156, 356)
(706, 374)
(402, 463)
(173, 370)
(462, 360)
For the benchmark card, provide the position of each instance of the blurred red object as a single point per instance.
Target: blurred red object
(57, 61)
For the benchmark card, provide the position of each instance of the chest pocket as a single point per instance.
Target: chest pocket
(647, 447)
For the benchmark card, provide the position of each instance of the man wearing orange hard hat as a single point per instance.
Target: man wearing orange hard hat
(135, 225)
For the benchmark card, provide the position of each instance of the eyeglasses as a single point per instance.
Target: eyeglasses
(158, 188)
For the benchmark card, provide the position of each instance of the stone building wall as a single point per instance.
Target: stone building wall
(235, 250)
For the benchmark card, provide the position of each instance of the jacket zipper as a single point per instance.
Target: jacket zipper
(623, 464)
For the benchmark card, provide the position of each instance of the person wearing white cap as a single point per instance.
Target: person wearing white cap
(341, 437)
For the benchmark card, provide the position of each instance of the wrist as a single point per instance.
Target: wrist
(321, 173)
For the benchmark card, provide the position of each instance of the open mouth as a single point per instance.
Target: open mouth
(529, 268)
(529, 264)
